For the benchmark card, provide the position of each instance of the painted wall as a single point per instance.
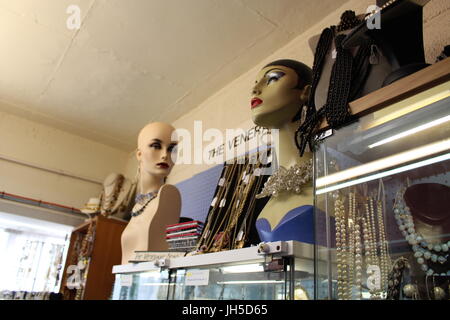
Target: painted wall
(51, 148)
(230, 106)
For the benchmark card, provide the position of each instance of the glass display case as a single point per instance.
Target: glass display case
(271, 271)
(383, 184)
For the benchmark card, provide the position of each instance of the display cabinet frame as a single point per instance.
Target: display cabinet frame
(405, 119)
(288, 265)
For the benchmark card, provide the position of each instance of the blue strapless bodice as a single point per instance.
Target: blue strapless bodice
(297, 224)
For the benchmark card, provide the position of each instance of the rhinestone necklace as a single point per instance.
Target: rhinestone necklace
(292, 179)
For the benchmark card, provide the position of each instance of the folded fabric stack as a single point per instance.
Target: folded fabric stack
(183, 236)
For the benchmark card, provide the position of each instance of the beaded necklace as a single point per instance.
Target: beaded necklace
(347, 76)
(142, 200)
(424, 252)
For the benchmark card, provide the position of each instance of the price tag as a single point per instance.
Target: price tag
(221, 182)
(222, 203)
(257, 172)
(334, 54)
(239, 236)
(197, 277)
(126, 280)
(213, 202)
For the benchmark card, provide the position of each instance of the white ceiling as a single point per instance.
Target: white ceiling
(135, 61)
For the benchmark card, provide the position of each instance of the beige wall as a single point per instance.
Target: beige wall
(47, 147)
(230, 106)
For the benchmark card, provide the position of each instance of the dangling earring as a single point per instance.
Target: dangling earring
(136, 178)
(303, 114)
(138, 172)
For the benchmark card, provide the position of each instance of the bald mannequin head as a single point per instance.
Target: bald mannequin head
(156, 142)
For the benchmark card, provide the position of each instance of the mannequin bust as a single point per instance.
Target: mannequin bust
(158, 204)
(281, 89)
(116, 195)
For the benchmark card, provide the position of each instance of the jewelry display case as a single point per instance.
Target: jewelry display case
(271, 271)
(383, 183)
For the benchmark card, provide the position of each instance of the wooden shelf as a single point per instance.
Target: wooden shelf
(106, 253)
(404, 88)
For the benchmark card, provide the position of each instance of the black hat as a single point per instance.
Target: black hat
(399, 36)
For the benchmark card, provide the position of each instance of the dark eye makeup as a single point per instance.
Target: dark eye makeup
(272, 76)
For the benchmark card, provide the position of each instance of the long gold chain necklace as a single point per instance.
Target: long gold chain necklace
(223, 237)
(213, 215)
(247, 185)
(246, 225)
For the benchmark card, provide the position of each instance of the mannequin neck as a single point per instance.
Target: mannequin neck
(286, 150)
(150, 183)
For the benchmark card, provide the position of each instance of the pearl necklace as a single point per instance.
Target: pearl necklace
(339, 214)
(292, 179)
(376, 247)
(359, 232)
(348, 248)
(424, 252)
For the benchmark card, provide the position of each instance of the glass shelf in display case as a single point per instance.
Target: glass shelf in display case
(383, 183)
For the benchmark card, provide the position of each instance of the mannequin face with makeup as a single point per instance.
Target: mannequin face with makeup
(155, 147)
(276, 97)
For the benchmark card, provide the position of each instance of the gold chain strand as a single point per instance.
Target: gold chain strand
(248, 188)
(246, 225)
(207, 231)
(238, 204)
(218, 218)
(218, 239)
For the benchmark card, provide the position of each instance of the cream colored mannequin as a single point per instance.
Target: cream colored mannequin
(147, 231)
(281, 100)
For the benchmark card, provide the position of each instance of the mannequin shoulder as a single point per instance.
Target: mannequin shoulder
(169, 190)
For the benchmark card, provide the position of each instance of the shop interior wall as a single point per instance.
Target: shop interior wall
(43, 146)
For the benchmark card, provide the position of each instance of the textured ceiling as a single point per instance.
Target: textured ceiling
(135, 61)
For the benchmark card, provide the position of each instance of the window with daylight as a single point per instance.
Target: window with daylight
(32, 254)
